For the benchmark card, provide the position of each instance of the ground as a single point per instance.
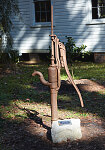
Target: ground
(34, 132)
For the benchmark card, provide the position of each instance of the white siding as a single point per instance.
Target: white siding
(26, 38)
(70, 19)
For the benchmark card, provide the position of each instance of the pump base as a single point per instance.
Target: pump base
(62, 130)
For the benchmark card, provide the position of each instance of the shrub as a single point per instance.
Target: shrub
(73, 52)
(9, 57)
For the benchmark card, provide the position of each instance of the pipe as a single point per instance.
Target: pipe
(43, 81)
(54, 112)
(51, 19)
(52, 38)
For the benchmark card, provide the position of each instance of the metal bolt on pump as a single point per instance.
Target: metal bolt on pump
(58, 60)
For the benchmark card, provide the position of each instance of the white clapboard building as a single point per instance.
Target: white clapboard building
(83, 20)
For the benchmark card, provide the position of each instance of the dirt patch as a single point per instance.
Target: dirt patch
(33, 136)
(89, 85)
(34, 133)
(83, 84)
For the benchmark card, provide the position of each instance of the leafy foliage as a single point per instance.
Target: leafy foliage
(73, 51)
(7, 9)
(10, 57)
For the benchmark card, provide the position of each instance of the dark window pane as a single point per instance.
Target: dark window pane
(43, 6)
(43, 17)
(37, 6)
(37, 16)
(101, 2)
(102, 12)
(43, 11)
(94, 3)
(48, 6)
(94, 13)
(101, 8)
(48, 17)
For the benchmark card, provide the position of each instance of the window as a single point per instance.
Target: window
(98, 9)
(42, 11)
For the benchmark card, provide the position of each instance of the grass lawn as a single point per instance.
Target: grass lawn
(17, 87)
(18, 94)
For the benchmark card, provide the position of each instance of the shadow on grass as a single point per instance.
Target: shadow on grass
(68, 98)
(14, 135)
(33, 115)
(94, 102)
(17, 137)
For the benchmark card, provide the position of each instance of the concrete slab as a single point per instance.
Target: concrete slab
(62, 130)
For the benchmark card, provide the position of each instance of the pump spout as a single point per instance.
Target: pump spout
(43, 81)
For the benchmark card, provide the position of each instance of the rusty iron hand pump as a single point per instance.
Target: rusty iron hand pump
(58, 60)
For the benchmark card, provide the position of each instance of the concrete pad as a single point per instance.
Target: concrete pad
(62, 130)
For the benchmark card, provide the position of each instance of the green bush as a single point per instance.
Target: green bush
(73, 52)
(9, 57)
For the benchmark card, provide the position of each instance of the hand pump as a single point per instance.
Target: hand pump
(58, 60)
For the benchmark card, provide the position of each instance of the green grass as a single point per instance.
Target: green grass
(87, 71)
(17, 92)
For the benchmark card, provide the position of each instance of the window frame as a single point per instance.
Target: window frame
(89, 15)
(42, 5)
(33, 22)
